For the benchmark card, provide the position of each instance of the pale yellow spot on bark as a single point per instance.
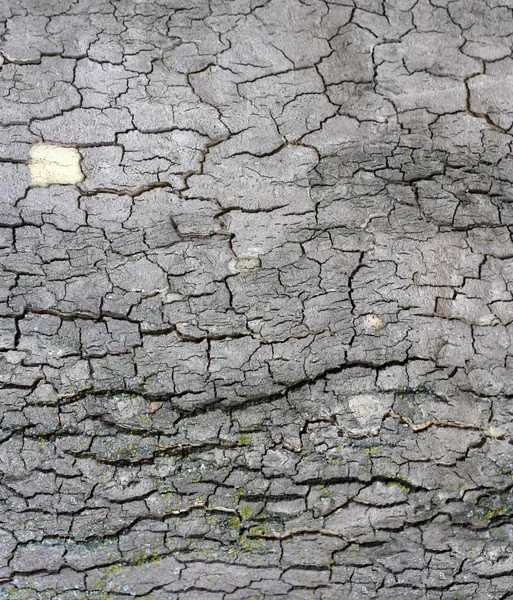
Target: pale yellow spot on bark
(50, 164)
(374, 322)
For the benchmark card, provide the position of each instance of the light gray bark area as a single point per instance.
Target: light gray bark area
(264, 349)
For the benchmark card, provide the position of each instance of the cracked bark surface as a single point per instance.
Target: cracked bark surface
(264, 349)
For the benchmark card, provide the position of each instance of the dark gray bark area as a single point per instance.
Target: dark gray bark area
(264, 349)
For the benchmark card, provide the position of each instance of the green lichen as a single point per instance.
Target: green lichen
(245, 511)
(245, 440)
(234, 522)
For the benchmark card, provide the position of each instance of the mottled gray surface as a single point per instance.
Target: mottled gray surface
(264, 349)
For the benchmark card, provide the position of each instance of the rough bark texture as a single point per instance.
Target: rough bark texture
(264, 349)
